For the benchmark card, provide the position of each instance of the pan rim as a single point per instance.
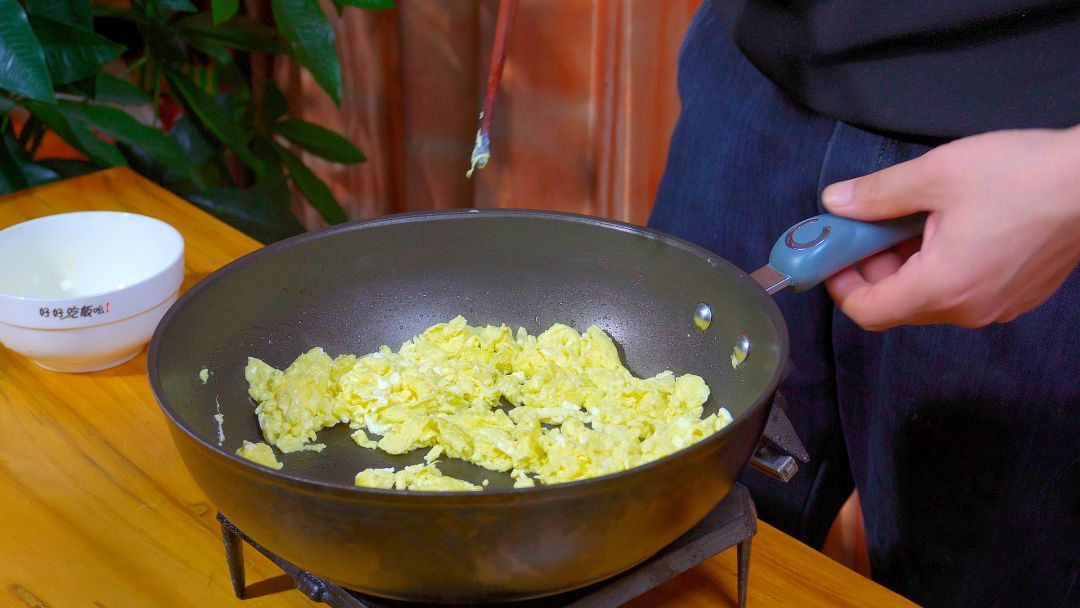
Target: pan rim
(472, 497)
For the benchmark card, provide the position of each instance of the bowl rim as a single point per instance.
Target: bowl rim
(171, 231)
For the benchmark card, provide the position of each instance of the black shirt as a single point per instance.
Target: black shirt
(944, 68)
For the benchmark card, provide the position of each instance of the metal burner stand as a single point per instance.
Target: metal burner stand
(732, 522)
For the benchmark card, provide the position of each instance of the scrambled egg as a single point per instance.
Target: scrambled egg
(259, 453)
(575, 411)
(415, 477)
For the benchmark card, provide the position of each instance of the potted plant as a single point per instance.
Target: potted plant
(167, 87)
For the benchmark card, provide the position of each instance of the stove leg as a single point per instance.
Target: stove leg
(744, 569)
(234, 554)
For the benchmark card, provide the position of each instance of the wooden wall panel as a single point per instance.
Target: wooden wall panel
(582, 124)
(438, 71)
(647, 103)
(543, 153)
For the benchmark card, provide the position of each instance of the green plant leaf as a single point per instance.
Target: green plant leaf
(22, 61)
(164, 43)
(29, 130)
(217, 122)
(320, 141)
(261, 211)
(15, 158)
(340, 5)
(180, 6)
(36, 174)
(142, 163)
(238, 108)
(72, 53)
(314, 190)
(223, 10)
(263, 147)
(304, 25)
(68, 167)
(369, 4)
(122, 127)
(205, 155)
(33, 173)
(234, 80)
(77, 134)
(87, 87)
(11, 176)
(110, 89)
(196, 147)
(274, 105)
(71, 12)
(211, 48)
(238, 33)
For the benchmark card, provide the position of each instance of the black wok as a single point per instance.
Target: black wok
(355, 287)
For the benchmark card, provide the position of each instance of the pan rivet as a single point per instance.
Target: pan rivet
(702, 316)
(741, 350)
(311, 587)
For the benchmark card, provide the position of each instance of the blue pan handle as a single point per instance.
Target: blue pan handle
(819, 247)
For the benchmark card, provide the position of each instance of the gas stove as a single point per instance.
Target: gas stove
(732, 523)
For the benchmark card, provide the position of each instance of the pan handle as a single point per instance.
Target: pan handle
(819, 247)
(779, 447)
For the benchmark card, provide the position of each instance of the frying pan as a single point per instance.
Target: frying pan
(351, 288)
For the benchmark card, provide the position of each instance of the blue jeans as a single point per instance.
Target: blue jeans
(964, 444)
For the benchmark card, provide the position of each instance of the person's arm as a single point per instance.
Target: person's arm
(1003, 231)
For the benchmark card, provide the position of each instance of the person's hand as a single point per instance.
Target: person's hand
(1003, 231)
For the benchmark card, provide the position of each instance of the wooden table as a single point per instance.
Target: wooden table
(96, 508)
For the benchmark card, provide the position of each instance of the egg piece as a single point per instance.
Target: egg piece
(521, 479)
(362, 440)
(426, 477)
(433, 454)
(293, 404)
(376, 478)
(550, 408)
(259, 453)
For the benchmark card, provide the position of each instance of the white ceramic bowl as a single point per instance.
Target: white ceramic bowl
(84, 291)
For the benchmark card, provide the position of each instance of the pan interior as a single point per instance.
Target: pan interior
(354, 288)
